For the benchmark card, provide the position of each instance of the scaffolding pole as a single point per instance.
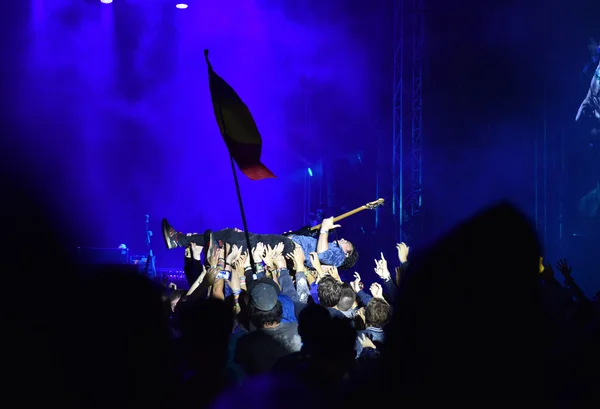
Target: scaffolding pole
(416, 147)
(398, 120)
(407, 163)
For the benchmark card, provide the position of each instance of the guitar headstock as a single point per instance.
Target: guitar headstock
(375, 204)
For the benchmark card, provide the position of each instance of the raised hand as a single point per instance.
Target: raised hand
(269, 257)
(332, 271)
(234, 280)
(366, 342)
(258, 252)
(403, 250)
(356, 283)
(381, 268)
(279, 261)
(241, 262)
(564, 268)
(376, 290)
(233, 255)
(273, 255)
(297, 257)
(188, 249)
(278, 249)
(328, 224)
(211, 274)
(217, 254)
(316, 263)
(196, 251)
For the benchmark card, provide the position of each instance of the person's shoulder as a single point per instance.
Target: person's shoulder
(289, 325)
(336, 313)
(284, 329)
(249, 337)
(252, 340)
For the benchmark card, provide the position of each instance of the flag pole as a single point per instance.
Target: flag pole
(223, 128)
(241, 203)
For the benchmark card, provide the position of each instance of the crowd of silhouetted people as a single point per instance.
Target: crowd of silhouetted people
(476, 320)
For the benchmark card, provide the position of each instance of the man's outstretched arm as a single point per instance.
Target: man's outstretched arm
(323, 242)
(326, 255)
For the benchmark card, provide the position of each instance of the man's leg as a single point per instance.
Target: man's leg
(174, 239)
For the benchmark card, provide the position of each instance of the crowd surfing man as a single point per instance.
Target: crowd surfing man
(340, 253)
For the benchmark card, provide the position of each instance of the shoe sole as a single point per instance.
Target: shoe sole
(165, 232)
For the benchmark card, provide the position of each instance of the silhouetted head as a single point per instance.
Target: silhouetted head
(264, 308)
(347, 297)
(329, 292)
(377, 313)
(464, 305)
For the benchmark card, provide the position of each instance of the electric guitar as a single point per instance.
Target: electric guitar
(312, 230)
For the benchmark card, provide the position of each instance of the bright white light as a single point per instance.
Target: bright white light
(182, 6)
(106, 1)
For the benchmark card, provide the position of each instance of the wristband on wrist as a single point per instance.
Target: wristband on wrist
(324, 231)
(236, 293)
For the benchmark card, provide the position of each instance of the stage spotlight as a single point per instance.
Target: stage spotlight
(310, 172)
(106, 1)
(182, 6)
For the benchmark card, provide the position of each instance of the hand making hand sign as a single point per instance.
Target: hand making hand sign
(356, 284)
(328, 225)
(381, 268)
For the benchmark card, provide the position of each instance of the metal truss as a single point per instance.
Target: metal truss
(398, 120)
(407, 164)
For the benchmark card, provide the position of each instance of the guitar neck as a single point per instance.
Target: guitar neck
(340, 217)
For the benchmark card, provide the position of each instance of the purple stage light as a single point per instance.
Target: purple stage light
(182, 6)
(106, 1)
